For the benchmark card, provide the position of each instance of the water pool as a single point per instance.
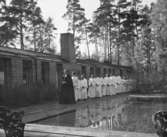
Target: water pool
(114, 113)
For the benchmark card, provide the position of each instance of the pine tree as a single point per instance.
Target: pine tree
(8, 31)
(133, 23)
(121, 11)
(105, 18)
(159, 22)
(45, 36)
(21, 9)
(93, 33)
(35, 20)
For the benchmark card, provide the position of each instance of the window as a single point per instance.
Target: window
(59, 74)
(45, 72)
(5, 72)
(98, 72)
(104, 71)
(2, 78)
(83, 70)
(109, 71)
(91, 70)
(27, 72)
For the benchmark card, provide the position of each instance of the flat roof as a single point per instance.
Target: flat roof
(18, 52)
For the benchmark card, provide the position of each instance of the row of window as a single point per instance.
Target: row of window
(28, 71)
(97, 71)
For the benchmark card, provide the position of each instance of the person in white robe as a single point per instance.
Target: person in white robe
(123, 89)
(84, 86)
(94, 87)
(103, 86)
(107, 85)
(91, 87)
(115, 82)
(76, 86)
(112, 85)
(118, 81)
(98, 87)
(79, 88)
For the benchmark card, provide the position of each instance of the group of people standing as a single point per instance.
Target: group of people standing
(75, 88)
(99, 86)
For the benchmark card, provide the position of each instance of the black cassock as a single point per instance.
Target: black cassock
(67, 91)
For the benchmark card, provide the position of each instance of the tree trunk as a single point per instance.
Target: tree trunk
(87, 44)
(34, 39)
(118, 42)
(105, 47)
(118, 55)
(110, 44)
(96, 47)
(21, 34)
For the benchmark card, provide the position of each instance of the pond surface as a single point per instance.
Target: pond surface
(112, 113)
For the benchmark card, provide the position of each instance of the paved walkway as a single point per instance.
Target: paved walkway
(35, 130)
(41, 111)
(37, 112)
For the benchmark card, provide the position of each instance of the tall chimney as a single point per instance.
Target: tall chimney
(67, 47)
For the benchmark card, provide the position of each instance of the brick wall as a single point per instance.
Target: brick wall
(17, 72)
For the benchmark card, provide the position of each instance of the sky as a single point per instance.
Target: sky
(56, 8)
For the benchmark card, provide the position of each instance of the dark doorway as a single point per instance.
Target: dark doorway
(27, 72)
(45, 72)
(98, 72)
(5, 72)
(83, 71)
(59, 68)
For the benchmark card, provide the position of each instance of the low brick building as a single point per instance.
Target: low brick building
(27, 67)
(21, 67)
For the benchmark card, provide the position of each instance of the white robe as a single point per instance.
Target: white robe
(118, 83)
(103, 88)
(107, 86)
(98, 87)
(84, 89)
(94, 88)
(123, 88)
(112, 86)
(79, 89)
(76, 87)
(91, 89)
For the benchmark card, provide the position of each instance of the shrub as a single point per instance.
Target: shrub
(151, 83)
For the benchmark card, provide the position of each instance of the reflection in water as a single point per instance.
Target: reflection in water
(113, 114)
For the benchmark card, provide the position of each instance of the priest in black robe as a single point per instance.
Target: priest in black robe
(67, 95)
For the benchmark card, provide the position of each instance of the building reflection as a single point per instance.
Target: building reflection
(130, 116)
